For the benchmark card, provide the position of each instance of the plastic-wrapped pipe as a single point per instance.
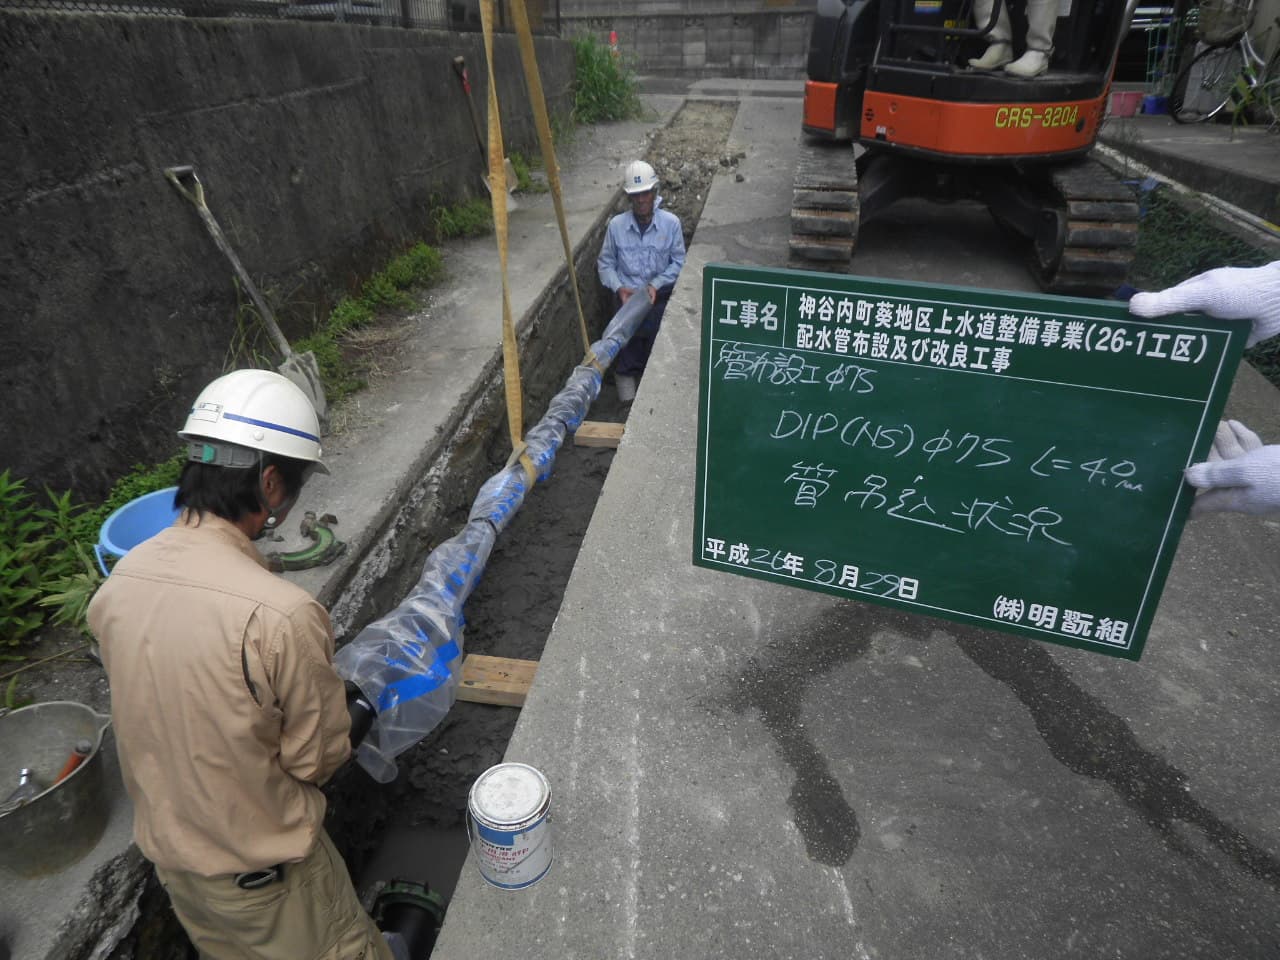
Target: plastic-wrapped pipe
(407, 665)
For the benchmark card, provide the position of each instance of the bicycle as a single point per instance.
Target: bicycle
(1229, 74)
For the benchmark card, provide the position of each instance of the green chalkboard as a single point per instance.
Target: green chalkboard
(1008, 460)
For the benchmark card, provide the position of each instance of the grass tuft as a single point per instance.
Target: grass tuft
(603, 88)
(473, 218)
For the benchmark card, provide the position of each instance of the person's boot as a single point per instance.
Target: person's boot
(626, 386)
(997, 55)
(1030, 64)
(998, 52)
(1042, 20)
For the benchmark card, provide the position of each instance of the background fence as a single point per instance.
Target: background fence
(462, 15)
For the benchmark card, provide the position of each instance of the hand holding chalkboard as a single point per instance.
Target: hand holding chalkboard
(1009, 460)
(1241, 474)
(1227, 293)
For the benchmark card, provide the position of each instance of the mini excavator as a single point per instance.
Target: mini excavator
(893, 76)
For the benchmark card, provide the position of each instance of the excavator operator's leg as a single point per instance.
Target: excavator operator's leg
(1042, 17)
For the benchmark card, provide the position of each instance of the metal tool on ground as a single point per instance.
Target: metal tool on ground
(79, 753)
(301, 368)
(460, 68)
(28, 789)
(325, 548)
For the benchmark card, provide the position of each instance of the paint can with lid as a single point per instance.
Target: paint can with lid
(508, 810)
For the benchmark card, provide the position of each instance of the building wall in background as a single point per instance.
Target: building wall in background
(698, 38)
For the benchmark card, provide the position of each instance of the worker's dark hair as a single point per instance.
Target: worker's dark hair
(234, 492)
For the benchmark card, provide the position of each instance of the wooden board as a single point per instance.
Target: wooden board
(597, 433)
(497, 680)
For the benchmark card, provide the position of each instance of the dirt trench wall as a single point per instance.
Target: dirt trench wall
(322, 147)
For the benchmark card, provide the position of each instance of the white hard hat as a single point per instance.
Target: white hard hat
(640, 177)
(252, 410)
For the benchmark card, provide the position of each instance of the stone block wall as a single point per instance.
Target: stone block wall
(706, 38)
(323, 149)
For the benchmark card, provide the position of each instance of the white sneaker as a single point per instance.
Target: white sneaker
(626, 386)
(997, 55)
(1030, 64)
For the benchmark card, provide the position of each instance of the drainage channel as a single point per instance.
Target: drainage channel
(413, 828)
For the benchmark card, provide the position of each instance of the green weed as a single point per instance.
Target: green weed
(46, 571)
(379, 291)
(419, 266)
(603, 88)
(11, 699)
(349, 314)
(524, 178)
(473, 218)
(21, 545)
(68, 596)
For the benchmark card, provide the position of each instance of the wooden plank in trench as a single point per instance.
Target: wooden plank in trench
(598, 433)
(497, 680)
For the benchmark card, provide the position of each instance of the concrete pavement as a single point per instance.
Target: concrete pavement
(744, 770)
(1237, 165)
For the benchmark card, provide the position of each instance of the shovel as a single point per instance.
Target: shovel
(301, 368)
(460, 68)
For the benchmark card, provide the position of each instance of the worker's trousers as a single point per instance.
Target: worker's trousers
(1042, 18)
(634, 355)
(311, 914)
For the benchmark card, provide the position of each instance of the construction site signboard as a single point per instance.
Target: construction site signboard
(1009, 460)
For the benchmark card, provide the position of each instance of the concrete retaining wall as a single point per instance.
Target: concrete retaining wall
(700, 39)
(323, 149)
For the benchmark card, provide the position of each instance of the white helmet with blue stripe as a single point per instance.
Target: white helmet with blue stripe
(248, 412)
(639, 178)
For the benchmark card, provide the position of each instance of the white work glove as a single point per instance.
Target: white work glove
(1241, 474)
(1228, 293)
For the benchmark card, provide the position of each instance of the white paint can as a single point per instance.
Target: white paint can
(507, 823)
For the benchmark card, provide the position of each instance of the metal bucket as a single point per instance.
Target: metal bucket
(64, 821)
(507, 823)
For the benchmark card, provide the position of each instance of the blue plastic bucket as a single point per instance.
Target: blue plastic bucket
(136, 521)
(1152, 103)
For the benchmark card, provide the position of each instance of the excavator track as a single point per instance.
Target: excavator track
(1095, 228)
(824, 203)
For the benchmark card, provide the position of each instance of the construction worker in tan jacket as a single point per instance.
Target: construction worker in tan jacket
(228, 713)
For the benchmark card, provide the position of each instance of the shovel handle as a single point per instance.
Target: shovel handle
(176, 176)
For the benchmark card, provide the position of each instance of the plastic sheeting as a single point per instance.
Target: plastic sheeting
(408, 663)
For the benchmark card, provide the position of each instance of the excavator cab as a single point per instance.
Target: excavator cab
(893, 77)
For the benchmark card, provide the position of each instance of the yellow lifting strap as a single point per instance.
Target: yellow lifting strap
(529, 59)
(498, 183)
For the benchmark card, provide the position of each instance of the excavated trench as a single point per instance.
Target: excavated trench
(413, 828)
(421, 834)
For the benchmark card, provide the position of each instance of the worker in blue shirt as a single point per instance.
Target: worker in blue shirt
(643, 253)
